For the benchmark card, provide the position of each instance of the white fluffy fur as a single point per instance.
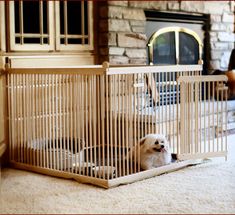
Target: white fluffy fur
(152, 154)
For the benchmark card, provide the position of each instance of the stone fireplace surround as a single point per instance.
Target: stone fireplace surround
(122, 38)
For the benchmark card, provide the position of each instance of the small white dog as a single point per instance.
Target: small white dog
(154, 151)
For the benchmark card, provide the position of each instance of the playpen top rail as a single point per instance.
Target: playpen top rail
(58, 71)
(122, 70)
(206, 78)
(104, 69)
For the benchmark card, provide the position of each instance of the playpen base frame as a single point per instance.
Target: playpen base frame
(111, 182)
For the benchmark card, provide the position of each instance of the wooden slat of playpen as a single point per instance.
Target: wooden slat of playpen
(102, 84)
(170, 114)
(222, 118)
(135, 121)
(40, 103)
(55, 124)
(76, 163)
(93, 121)
(209, 114)
(226, 122)
(182, 112)
(58, 121)
(86, 124)
(16, 118)
(159, 103)
(131, 120)
(49, 161)
(119, 127)
(71, 127)
(147, 115)
(98, 94)
(217, 124)
(126, 111)
(63, 115)
(213, 114)
(46, 120)
(89, 121)
(82, 114)
(192, 101)
(12, 130)
(66, 120)
(204, 114)
(9, 114)
(188, 119)
(32, 114)
(110, 90)
(166, 106)
(20, 117)
(35, 121)
(196, 116)
(39, 115)
(122, 126)
(69, 152)
(135, 136)
(52, 126)
(52, 115)
(75, 129)
(79, 141)
(107, 122)
(43, 121)
(94, 115)
(153, 105)
(139, 105)
(115, 125)
(29, 161)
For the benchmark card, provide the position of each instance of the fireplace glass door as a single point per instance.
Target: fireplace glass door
(174, 45)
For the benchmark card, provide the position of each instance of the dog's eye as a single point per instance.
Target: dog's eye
(156, 142)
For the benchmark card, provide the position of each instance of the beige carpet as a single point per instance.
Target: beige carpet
(205, 188)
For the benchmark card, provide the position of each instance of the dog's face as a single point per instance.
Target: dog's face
(154, 143)
(154, 151)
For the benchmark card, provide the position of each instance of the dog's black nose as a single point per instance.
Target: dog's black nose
(162, 146)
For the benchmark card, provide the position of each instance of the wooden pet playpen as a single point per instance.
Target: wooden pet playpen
(81, 122)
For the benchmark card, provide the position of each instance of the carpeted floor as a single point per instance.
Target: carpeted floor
(205, 188)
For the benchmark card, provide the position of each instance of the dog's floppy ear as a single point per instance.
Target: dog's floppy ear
(142, 141)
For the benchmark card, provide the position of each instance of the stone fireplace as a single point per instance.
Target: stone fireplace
(123, 32)
(123, 29)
